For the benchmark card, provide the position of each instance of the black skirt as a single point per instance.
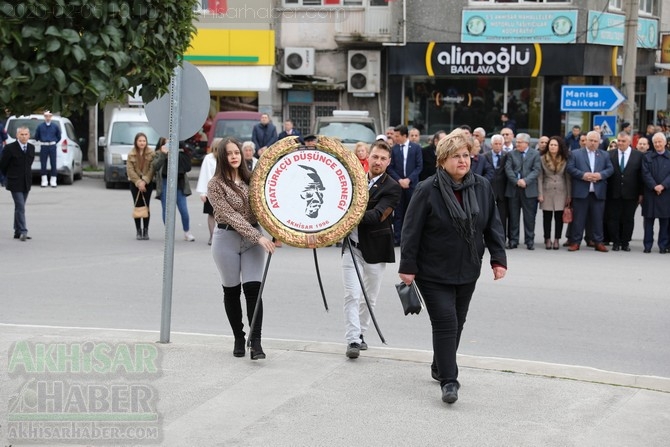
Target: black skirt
(207, 208)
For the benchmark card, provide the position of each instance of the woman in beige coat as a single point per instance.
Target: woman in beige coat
(141, 177)
(554, 187)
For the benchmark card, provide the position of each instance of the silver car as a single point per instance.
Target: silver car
(69, 155)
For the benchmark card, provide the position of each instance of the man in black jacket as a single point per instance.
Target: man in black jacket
(15, 164)
(624, 192)
(372, 246)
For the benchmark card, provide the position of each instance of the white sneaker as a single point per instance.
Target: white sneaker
(45, 181)
(188, 237)
(53, 181)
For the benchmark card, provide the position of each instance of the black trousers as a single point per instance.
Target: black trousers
(547, 217)
(621, 220)
(139, 202)
(399, 212)
(447, 307)
(501, 204)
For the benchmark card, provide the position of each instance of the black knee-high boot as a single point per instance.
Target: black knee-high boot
(233, 306)
(138, 227)
(145, 231)
(251, 295)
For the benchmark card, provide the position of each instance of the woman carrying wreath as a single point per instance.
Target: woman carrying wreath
(238, 244)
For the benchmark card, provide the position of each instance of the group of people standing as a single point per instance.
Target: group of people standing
(601, 183)
(147, 170)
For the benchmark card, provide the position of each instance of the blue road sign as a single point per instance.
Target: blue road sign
(607, 124)
(590, 98)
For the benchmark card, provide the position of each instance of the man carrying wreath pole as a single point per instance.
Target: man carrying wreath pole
(371, 246)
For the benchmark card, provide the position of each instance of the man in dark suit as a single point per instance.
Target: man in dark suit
(522, 169)
(624, 192)
(406, 165)
(290, 131)
(15, 164)
(372, 246)
(429, 156)
(264, 134)
(496, 158)
(589, 168)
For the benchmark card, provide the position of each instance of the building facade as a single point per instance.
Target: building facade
(430, 64)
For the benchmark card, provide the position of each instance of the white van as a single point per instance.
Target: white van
(68, 154)
(124, 124)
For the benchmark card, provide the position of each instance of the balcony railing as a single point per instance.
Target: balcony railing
(365, 25)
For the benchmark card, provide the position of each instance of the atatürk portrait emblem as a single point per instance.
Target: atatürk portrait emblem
(312, 194)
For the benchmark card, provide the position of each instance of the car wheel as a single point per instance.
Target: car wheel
(69, 178)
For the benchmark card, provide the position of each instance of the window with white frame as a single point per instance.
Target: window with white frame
(647, 7)
(312, 3)
(616, 4)
(528, 2)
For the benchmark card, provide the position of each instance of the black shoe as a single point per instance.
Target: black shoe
(256, 352)
(434, 373)
(647, 250)
(450, 392)
(616, 247)
(353, 350)
(664, 251)
(512, 246)
(17, 235)
(139, 235)
(625, 247)
(238, 350)
(145, 234)
(530, 247)
(364, 346)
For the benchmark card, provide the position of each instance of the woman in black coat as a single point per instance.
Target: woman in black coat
(451, 216)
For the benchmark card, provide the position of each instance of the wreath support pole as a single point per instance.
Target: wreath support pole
(365, 294)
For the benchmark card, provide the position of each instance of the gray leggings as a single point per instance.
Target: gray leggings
(237, 259)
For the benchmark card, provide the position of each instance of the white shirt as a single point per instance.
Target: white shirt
(592, 163)
(626, 156)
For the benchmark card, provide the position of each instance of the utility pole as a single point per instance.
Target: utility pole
(630, 59)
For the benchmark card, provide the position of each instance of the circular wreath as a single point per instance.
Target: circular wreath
(297, 238)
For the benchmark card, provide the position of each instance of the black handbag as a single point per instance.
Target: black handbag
(410, 298)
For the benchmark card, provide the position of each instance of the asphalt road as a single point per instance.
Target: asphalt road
(84, 268)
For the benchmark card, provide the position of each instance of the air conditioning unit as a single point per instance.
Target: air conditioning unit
(299, 61)
(363, 71)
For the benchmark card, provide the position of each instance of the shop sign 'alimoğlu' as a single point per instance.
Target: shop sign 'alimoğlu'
(510, 60)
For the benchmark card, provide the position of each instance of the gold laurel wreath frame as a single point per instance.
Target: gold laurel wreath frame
(301, 239)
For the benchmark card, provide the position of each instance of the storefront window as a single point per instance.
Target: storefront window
(433, 104)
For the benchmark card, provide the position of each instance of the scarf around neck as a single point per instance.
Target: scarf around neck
(464, 217)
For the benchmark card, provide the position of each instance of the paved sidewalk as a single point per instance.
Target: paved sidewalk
(310, 394)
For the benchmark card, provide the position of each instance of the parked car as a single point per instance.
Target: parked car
(349, 126)
(69, 155)
(238, 125)
(124, 124)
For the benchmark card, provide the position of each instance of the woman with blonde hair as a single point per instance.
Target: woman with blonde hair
(452, 217)
(207, 170)
(553, 186)
(362, 150)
